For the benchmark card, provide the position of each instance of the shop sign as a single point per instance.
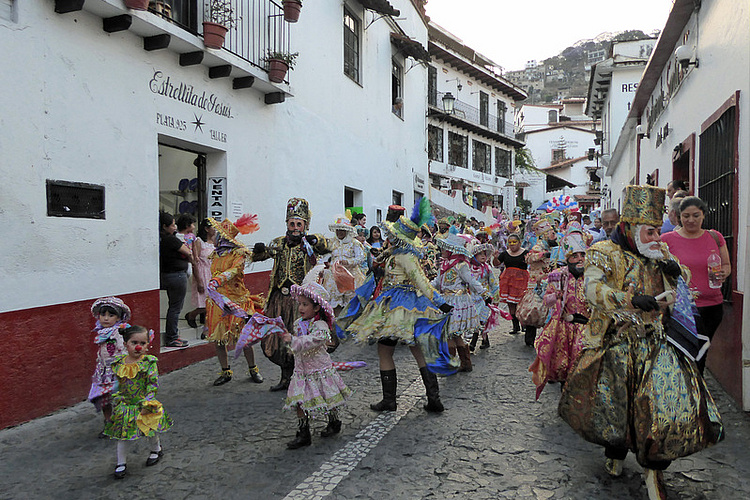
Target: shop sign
(188, 94)
(418, 182)
(217, 197)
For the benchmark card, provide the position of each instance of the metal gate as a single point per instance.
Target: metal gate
(716, 177)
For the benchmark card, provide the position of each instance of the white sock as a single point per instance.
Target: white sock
(155, 446)
(122, 453)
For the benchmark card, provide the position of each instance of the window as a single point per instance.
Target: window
(397, 198)
(397, 100)
(75, 199)
(6, 9)
(558, 155)
(502, 163)
(352, 199)
(502, 108)
(481, 161)
(484, 109)
(435, 143)
(432, 85)
(351, 46)
(552, 116)
(458, 150)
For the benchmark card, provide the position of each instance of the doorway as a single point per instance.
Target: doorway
(182, 192)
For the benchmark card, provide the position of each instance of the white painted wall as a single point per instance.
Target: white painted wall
(81, 109)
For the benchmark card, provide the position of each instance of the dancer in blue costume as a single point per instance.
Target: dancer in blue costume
(408, 310)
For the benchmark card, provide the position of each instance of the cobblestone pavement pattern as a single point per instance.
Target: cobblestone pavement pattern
(494, 441)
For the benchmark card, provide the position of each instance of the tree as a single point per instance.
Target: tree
(524, 161)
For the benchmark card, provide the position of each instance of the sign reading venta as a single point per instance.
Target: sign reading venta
(183, 92)
(217, 197)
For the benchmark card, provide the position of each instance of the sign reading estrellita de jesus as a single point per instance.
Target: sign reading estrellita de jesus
(182, 92)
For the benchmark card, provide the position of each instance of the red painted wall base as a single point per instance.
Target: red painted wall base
(50, 354)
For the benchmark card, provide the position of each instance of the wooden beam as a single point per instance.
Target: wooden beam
(65, 6)
(191, 58)
(244, 82)
(156, 42)
(220, 71)
(117, 23)
(275, 98)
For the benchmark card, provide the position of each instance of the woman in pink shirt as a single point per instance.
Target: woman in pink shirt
(693, 245)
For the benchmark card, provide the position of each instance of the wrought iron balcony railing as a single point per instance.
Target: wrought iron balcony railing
(473, 115)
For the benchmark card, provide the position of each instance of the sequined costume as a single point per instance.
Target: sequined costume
(430, 260)
(136, 411)
(561, 341)
(630, 389)
(458, 287)
(351, 254)
(228, 268)
(406, 310)
(315, 385)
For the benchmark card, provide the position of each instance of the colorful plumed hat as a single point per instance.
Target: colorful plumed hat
(476, 247)
(227, 230)
(298, 208)
(455, 243)
(643, 205)
(343, 223)
(541, 226)
(115, 303)
(574, 240)
(403, 232)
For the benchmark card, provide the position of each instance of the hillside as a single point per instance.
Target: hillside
(566, 75)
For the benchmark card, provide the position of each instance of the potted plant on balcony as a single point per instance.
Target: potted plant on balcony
(136, 4)
(292, 9)
(279, 63)
(221, 18)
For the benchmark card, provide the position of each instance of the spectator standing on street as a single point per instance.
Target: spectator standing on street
(174, 259)
(610, 218)
(672, 220)
(202, 248)
(694, 246)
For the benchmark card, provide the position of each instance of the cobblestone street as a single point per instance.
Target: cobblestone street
(493, 441)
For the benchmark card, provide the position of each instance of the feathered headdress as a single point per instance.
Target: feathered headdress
(422, 213)
(247, 223)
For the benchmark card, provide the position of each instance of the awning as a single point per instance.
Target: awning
(381, 6)
(410, 48)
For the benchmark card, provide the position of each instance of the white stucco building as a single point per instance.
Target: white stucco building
(559, 137)
(471, 136)
(112, 114)
(690, 120)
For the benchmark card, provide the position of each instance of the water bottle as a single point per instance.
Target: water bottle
(714, 270)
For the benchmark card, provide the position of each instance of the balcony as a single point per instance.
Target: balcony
(176, 25)
(470, 118)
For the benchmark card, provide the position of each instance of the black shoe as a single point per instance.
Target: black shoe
(383, 406)
(255, 375)
(120, 473)
(331, 429)
(224, 377)
(281, 386)
(191, 322)
(303, 438)
(151, 460)
(485, 344)
(102, 435)
(202, 318)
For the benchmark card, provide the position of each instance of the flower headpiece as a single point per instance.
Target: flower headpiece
(114, 302)
(319, 295)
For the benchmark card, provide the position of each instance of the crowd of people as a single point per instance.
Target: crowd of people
(619, 308)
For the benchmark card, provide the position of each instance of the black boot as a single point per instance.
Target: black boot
(485, 343)
(473, 343)
(530, 335)
(303, 437)
(433, 391)
(516, 326)
(388, 380)
(286, 376)
(334, 425)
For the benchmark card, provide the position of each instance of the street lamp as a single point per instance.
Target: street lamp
(448, 102)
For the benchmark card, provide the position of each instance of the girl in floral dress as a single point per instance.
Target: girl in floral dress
(315, 388)
(110, 314)
(136, 413)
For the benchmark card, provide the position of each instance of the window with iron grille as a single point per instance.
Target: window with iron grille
(502, 163)
(716, 179)
(75, 199)
(481, 159)
(458, 150)
(502, 108)
(558, 155)
(351, 46)
(432, 85)
(484, 109)
(435, 143)
(397, 75)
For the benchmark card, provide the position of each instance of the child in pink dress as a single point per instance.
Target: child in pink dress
(315, 388)
(111, 313)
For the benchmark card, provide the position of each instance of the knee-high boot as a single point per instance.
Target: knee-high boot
(433, 391)
(473, 343)
(516, 326)
(530, 335)
(465, 357)
(286, 376)
(388, 380)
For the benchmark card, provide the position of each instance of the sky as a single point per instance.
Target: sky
(511, 32)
